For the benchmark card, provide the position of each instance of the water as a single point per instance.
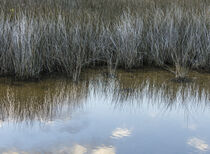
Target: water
(137, 112)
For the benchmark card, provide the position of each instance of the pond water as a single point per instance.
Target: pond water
(140, 112)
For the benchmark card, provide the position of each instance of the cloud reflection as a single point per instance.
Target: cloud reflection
(14, 151)
(76, 149)
(120, 133)
(88, 149)
(198, 144)
(104, 150)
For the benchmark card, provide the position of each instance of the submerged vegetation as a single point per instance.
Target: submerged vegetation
(66, 36)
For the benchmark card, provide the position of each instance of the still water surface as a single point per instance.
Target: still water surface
(142, 112)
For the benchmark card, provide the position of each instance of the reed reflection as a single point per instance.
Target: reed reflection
(44, 101)
(155, 90)
(51, 99)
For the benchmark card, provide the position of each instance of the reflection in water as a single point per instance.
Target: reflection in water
(44, 101)
(198, 144)
(76, 149)
(192, 127)
(98, 115)
(79, 149)
(104, 150)
(120, 133)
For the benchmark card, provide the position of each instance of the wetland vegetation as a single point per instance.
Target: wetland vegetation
(68, 36)
(123, 55)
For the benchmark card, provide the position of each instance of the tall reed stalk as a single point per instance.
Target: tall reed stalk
(66, 36)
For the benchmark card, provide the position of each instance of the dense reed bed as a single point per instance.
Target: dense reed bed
(66, 36)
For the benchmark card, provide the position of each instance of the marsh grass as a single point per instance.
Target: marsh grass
(66, 36)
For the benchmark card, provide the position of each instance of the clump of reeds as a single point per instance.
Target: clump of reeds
(66, 36)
